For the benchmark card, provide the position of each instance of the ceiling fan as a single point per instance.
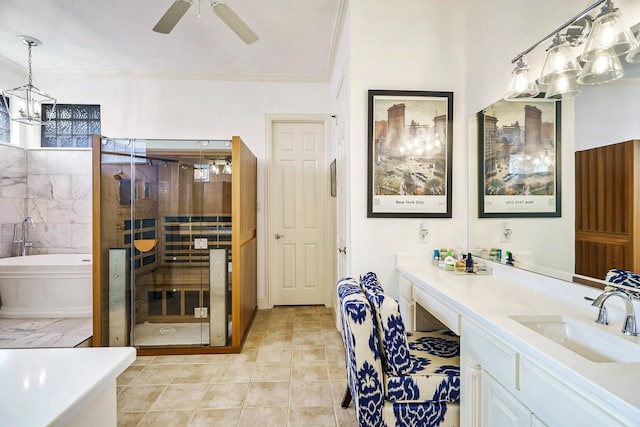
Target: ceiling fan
(179, 7)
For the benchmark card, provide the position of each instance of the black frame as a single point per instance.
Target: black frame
(519, 202)
(434, 113)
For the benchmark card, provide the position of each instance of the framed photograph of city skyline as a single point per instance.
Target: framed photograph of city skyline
(519, 159)
(410, 143)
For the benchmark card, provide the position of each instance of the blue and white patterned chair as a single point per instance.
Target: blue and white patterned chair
(396, 383)
(626, 278)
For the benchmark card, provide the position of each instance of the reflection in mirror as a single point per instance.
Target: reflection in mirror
(602, 115)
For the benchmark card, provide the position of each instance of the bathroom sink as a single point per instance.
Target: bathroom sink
(583, 339)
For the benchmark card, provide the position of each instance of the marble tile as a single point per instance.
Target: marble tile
(38, 333)
(68, 211)
(49, 186)
(69, 162)
(81, 187)
(179, 397)
(37, 162)
(81, 237)
(51, 236)
(13, 210)
(215, 418)
(13, 161)
(37, 209)
(13, 187)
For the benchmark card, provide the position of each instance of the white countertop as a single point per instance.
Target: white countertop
(39, 387)
(490, 300)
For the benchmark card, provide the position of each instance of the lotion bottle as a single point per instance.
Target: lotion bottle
(449, 262)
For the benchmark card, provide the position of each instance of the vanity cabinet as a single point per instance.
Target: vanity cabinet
(505, 379)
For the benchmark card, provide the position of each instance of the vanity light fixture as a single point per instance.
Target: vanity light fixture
(29, 97)
(606, 39)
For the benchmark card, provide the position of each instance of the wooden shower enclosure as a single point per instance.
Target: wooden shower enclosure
(242, 248)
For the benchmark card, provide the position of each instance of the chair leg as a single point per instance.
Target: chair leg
(346, 399)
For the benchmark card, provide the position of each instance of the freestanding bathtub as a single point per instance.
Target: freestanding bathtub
(46, 286)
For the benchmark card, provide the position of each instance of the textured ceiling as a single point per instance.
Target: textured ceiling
(297, 38)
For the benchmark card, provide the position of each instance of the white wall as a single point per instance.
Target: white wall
(193, 109)
(403, 45)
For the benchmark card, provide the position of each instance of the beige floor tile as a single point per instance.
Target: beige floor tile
(263, 417)
(223, 396)
(335, 352)
(129, 374)
(312, 417)
(193, 374)
(338, 388)
(268, 394)
(310, 393)
(271, 372)
(138, 397)
(346, 417)
(129, 419)
(143, 360)
(156, 374)
(337, 369)
(179, 397)
(306, 338)
(308, 371)
(232, 372)
(307, 326)
(215, 418)
(168, 359)
(311, 353)
(175, 418)
(274, 354)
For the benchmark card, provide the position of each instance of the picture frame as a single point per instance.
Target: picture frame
(332, 178)
(410, 145)
(519, 159)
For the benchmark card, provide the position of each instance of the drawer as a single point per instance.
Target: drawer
(405, 288)
(407, 312)
(494, 355)
(551, 399)
(442, 311)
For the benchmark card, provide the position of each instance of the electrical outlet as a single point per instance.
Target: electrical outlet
(423, 233)
(507, 231)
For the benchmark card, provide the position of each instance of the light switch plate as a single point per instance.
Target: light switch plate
(200, 243)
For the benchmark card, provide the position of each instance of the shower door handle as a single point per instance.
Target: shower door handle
(278, 236)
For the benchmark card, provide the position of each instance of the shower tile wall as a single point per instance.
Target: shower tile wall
(13, 190)
(59, 200)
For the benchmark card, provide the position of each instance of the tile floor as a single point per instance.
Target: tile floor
(291, 372)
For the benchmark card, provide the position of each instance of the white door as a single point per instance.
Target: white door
(298, 195)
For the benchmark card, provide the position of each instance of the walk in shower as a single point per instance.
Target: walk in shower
(165, 243)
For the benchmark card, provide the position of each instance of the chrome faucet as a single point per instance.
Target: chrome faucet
(23, 243)
(629, 327)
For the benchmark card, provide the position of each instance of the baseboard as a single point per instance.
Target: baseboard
(263, 304)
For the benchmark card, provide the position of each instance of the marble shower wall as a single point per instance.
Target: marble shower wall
(59, 200)
(13, 191)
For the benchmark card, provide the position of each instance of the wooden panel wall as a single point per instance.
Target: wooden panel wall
(244, 244)
(607, 188)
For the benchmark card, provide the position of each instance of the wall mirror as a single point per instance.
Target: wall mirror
(602, 115)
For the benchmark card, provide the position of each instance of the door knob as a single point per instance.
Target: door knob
(278, 236)
(342, 250)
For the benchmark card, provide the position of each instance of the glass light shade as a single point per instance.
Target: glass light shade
(604, 67)
(563, 87)
(520, 87)
(27, 101)
(633, 56)
(608, 32)
(559, 62)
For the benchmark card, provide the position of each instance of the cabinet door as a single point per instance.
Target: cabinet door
(500, 408)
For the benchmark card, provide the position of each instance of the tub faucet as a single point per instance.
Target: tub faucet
(23, 243)
(629, 327)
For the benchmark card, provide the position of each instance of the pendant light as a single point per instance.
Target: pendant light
(28, 97)
(605, 66)
(560, 61)
(520, 87)
(608, 33)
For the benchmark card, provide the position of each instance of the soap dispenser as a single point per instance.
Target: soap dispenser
(449, 262)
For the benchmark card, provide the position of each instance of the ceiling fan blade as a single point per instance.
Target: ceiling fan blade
(172, 16)
(234, 22)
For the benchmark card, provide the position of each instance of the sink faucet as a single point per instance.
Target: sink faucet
(629, 327)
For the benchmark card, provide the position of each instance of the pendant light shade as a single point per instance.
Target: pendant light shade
(520, 87)
(608, 33)
(560, 62)
(28, 98)
(563, 87)
(602, 68)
